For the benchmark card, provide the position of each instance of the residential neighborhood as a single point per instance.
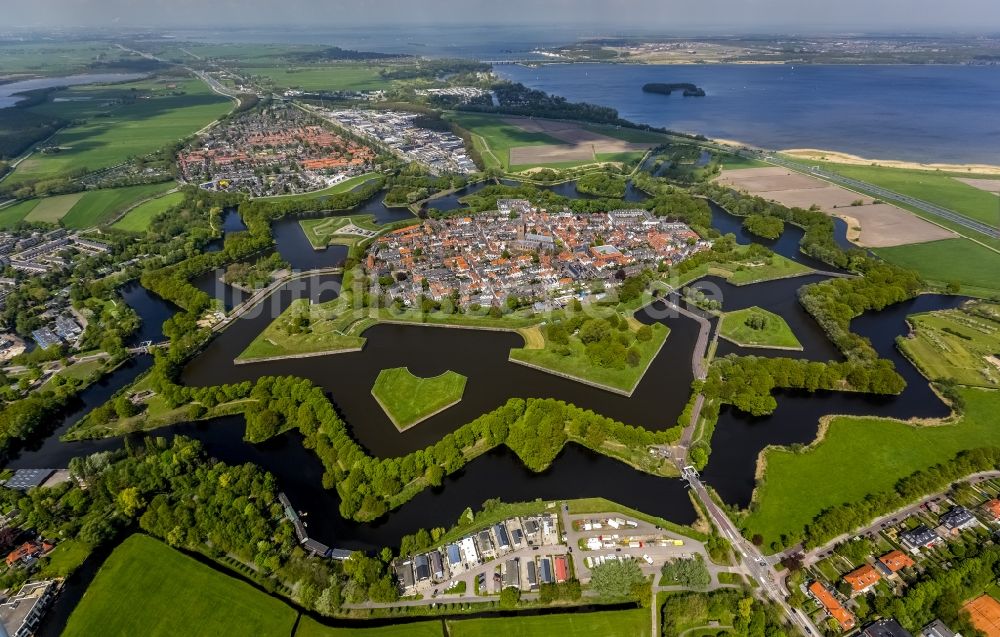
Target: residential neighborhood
(527, 253)
(527, 552)
(843, 582)
(276, 150)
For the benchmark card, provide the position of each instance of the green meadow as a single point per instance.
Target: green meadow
(962, 261)
(798, 486)
(98, 207)
(115, 128)
(497, 137)
(634, 623)
(774, 331)
(349, 76)
(138, 219)
(408, 399)
(147, 588)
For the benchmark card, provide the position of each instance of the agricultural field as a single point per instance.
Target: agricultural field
(53, 209)
(634, 623)
(736, 162)
(962, 344)
(756, 327)
(98, 207)
(232, 54)
(942, 188)
(498, 136)
(144, 582)
(881, 224)
(517, 144)
(117, 126)
(13, 214)
(81, 209)
(50, 58)
(408, 400)
(347, 76)
(799, 485)
(138, 219)
(938, 262)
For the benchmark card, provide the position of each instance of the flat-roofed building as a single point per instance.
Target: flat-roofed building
(469, 552)
(545, 574)
(21, 613)
(937, 628)
(511, 575)
(532, 575)
(885, 628)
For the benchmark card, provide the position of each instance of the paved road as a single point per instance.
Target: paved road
(990, 230)
(753, 563)
(698, 365)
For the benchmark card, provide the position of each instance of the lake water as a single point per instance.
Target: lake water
(916, 113)
(9, 92)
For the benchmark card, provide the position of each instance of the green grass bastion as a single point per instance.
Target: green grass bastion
(771, 332)
(409, 400)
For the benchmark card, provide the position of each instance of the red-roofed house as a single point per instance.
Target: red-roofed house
(993, 508)
(832, 606)
(562, 570)
(896, 561)
(862, 579)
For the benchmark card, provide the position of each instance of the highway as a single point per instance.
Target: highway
(990, 230)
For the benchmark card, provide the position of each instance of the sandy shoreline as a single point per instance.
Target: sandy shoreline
(847, 158)
(838, 157)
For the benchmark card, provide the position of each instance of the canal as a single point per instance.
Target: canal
(482, 357)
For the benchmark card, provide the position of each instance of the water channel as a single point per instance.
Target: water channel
(482, 356)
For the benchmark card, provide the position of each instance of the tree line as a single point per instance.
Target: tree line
(843, 518)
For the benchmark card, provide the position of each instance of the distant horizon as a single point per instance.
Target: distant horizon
(676, 16)
(598, 30)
